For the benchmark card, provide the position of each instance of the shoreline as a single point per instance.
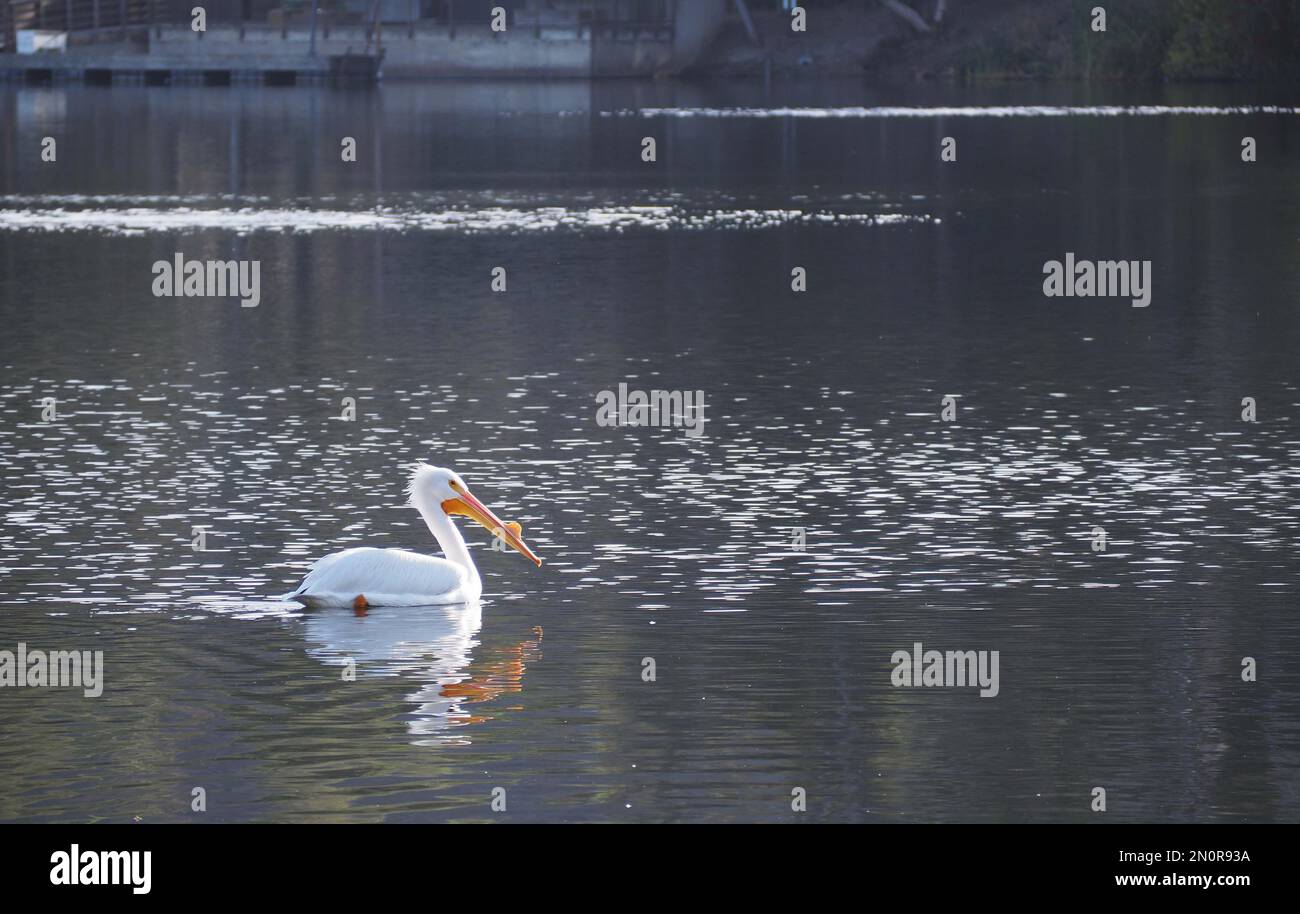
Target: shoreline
(998, 41)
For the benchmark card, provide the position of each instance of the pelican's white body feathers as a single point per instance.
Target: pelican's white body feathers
(406, 578)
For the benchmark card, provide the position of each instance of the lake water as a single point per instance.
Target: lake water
(1119, 669)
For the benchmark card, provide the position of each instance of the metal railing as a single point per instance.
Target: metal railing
(87, 21)
(82, 16)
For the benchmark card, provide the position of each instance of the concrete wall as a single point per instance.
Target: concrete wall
(641, 55)
(698, 23)
(480, 52)
(430, 51)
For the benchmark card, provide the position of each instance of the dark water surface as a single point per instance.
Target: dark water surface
(1118, 669)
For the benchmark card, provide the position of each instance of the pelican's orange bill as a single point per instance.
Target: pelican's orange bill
(474, 509)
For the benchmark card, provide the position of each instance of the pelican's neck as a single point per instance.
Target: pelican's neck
(448, 537)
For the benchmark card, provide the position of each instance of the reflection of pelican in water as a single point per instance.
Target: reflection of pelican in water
(433, 644)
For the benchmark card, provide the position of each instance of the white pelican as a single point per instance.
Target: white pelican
(395, 577)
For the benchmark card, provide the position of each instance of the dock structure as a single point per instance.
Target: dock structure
(155, 42)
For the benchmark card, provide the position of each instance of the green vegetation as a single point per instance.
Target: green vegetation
(1189, 39)
(1143, 40)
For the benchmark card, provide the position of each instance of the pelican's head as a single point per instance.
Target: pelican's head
(444, 490)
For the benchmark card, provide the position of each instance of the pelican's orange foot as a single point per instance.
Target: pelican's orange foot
(360, 605)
